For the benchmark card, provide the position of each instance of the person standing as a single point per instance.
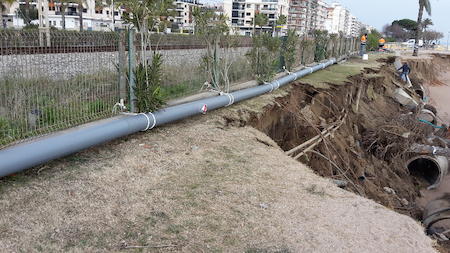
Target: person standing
(363, 44)
(405, 71)
(381, 43)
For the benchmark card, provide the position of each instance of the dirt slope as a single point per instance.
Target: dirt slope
(208, 184)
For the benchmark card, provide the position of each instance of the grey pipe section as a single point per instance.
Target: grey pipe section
(27, 155)
(431, 168)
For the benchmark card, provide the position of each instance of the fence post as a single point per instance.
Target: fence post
(122, 61)
(131, 68)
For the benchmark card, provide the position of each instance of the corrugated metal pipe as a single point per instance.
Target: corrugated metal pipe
(36, 152)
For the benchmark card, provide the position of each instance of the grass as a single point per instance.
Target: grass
(30, 107)
(338, 74)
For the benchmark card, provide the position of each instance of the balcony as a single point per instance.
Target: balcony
(269, 9)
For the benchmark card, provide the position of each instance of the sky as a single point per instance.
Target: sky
(380, 12)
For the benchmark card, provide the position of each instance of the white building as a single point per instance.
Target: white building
(355, 26)
(95, 17)
(184, 10)
(339, 20)
(241, 14)
(303, 15)
(322, 15)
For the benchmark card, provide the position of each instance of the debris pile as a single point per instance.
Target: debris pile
(374, 134)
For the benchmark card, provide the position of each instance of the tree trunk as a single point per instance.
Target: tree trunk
(80, 8)
(419, 29)
(27, 12)
(63, 15)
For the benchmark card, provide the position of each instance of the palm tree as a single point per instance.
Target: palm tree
(423, 5)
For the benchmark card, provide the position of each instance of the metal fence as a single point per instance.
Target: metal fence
(46, 88)
(53, 81)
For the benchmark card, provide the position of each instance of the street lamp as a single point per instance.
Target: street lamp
(448, 38)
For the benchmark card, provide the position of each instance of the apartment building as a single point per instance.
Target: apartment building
(302, 15)
(355, 26)
(241, 14)
(184, 19)
(95, 17)
(338, 20)
(322, 15)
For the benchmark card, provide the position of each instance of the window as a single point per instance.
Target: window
(249, 5)
(107, 12)
(84, 10)
(116, 13)
(248, 14)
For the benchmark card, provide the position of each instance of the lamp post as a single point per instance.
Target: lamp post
(448, 40)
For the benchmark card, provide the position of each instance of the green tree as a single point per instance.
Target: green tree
(215, 32)
(260, 20)
(407, 24)
(372, 40)
(423, 5)
(264, 57)
(321, 39)
(27, 14)
(289, 49)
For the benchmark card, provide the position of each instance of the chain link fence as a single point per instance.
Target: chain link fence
(56, 80)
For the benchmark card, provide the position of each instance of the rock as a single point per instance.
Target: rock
(264, 205)
(404, 202)
(389, 190)
(340, 183)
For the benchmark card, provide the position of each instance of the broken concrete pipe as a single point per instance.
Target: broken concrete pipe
(430, 168)
(404, 98)
(436, 216)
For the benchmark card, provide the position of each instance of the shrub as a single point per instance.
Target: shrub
(264, 57)
(289, 49)
(148, 85)
(321, 40)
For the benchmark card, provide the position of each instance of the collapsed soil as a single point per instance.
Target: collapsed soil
(309, 109)
(215, 183)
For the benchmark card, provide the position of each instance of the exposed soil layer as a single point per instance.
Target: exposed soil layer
(369, 150)
(307, 111)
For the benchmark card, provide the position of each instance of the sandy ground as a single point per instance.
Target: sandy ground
(440, 97)
(201, 185)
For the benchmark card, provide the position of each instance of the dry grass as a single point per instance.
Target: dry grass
(198, 186)
(339, 73)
